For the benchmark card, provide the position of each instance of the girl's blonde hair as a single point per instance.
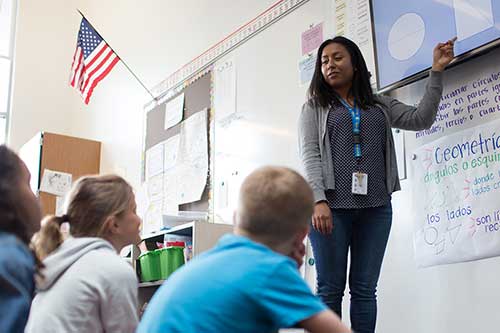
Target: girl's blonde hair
(91, 201)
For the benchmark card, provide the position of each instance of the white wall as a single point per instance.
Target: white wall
(45, 39)
(155, 38)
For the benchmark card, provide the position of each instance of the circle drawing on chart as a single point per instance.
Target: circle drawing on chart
(431, 235)
(406, 36)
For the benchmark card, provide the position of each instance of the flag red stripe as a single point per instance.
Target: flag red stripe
(95, 57)
(99, 78)
(101, 63)
(79, 75)
(77, 68)
(72, 72)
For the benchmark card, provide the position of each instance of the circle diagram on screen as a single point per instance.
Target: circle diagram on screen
(406, 36)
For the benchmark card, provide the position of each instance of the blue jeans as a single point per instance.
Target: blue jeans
(365, 231)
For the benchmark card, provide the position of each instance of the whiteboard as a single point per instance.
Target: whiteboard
(263, 129)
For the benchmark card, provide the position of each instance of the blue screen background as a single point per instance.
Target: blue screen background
(439, 20)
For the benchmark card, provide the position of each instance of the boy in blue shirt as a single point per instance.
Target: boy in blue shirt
(249, 282)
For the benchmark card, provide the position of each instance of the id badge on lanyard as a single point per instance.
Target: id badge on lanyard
(359, 179)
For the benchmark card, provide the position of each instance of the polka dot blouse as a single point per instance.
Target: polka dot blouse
(372, 161)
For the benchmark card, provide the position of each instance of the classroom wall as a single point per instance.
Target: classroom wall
(145, 34)
(458, 298)
(41, 100)
(455, 298)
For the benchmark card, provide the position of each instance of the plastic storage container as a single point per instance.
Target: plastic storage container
(150, 266)
(171, 258)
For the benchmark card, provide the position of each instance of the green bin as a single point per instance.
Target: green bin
(171, 258)
(150, 266)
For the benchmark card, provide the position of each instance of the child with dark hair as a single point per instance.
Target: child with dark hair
(20, 217)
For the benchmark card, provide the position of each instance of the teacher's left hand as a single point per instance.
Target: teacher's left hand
(443, 54)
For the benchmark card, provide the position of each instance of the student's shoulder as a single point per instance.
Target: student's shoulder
(272, 265)
(109, 265)
(16, 261)
(259, 254)
(14, 252)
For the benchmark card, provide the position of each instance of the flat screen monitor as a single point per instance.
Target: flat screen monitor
(405, 33)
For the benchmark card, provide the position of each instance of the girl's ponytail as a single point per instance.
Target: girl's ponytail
(50, 237)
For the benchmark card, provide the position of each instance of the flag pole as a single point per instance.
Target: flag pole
(138, 80)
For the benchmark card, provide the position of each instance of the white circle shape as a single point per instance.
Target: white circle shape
(406, 36)
(431, 235)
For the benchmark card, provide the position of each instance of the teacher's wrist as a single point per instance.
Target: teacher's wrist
(438, 68)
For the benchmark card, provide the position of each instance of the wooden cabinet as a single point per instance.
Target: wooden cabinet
(62, 153)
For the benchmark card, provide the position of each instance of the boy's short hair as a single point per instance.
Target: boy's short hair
(274, 203)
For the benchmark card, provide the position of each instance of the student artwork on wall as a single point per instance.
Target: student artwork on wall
(154, 160)
(171, 150)
(55, 182)
(192, 165)
(174, 111)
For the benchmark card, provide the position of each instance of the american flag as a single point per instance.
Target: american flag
(92, 61)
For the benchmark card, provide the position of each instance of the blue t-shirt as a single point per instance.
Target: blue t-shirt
(238, 286)
(17, 285)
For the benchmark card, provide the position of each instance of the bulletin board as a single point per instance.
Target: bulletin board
(197, 97)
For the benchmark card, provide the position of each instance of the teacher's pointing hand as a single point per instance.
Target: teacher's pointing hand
(443, 54)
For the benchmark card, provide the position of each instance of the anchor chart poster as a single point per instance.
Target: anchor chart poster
(456, 196)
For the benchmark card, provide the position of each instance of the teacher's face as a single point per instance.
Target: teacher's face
(336, 66)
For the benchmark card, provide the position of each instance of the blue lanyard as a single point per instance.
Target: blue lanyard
(356, 121)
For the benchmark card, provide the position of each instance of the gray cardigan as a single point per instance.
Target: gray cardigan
(314, 145)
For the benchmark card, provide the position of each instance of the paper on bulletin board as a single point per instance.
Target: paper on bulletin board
(352, 19)
(55, 182)
(306, 69)
(173, 111)
(456, 185)
(170, 192)
(171, 149)
(153, 219)
(155, 187)
(311, 39)
(224, 89)
(142, 200)
(192, 163)
(154, 160)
